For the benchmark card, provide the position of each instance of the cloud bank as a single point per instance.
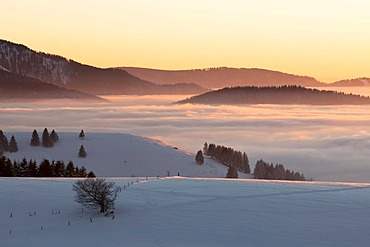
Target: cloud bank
(324, 142)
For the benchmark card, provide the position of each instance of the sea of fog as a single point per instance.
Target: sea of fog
(324, 142)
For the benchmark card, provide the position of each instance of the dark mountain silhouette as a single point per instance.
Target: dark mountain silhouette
(224, 77)
(14, 87)
(276, 95)
(57, 70)
(363, 81)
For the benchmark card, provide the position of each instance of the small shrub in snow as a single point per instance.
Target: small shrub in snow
(96, 193)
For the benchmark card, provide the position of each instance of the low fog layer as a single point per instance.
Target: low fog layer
(324, 142)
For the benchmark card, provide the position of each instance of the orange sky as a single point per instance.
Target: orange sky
(326, 39)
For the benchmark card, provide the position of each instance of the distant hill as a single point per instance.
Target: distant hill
(60, 71)
(358, 82)
(14, 87)
(276, 95)
(224, 77)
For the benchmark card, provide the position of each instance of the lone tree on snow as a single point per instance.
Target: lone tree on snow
(199, 158)
(35, 140)
(13, 146)
(81, 135)
(82, 152)
(96, 193)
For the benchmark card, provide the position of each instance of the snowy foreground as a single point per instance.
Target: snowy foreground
(119, 155)
(187, 212)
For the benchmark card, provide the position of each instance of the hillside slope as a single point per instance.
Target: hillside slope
(116, 155)
(363, 81)
(16, 87)
(223, 77)
(57, 70)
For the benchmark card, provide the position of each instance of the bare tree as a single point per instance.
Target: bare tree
(96, 193)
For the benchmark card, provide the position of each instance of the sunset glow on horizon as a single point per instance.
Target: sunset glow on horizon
(328, 40)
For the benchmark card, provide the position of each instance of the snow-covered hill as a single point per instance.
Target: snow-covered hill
(187, 212)
(117, 155)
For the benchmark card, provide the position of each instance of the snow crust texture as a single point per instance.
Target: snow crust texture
(187, 212)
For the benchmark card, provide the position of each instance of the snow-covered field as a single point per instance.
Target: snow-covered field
(187, 212)
(119, 155)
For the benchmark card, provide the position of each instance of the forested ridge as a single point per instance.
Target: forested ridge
(276, 95)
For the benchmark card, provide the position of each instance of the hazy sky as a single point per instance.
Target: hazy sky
(327, 39)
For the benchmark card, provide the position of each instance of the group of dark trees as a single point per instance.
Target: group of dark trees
(288, 94)
(264, 170)
(30, 168)
(238, 161)
(230, 157)
(48, 140)
(6, 146)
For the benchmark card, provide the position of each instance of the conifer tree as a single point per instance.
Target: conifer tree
(45, 169)
(32, 169)
(70, 169)
(91, 174)
(54, 136)
(82, 152)
(13, 146)
(46, 140)
(245, 161)
(82, 135)
(35, 140)
(4, 142)
(23, 168)
(59, 169)
(232, 172)
(199, 158)
(82, 172)
(8, 169)
(205, 149)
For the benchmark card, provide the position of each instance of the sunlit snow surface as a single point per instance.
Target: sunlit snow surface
(187, 212)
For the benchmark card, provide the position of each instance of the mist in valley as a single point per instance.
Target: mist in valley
(323, 142)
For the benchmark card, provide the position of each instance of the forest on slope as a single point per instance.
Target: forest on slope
(276, 95)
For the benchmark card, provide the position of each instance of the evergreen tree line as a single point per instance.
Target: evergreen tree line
(46, 168)
(228, 156)
(6, 146)
(263, 170)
